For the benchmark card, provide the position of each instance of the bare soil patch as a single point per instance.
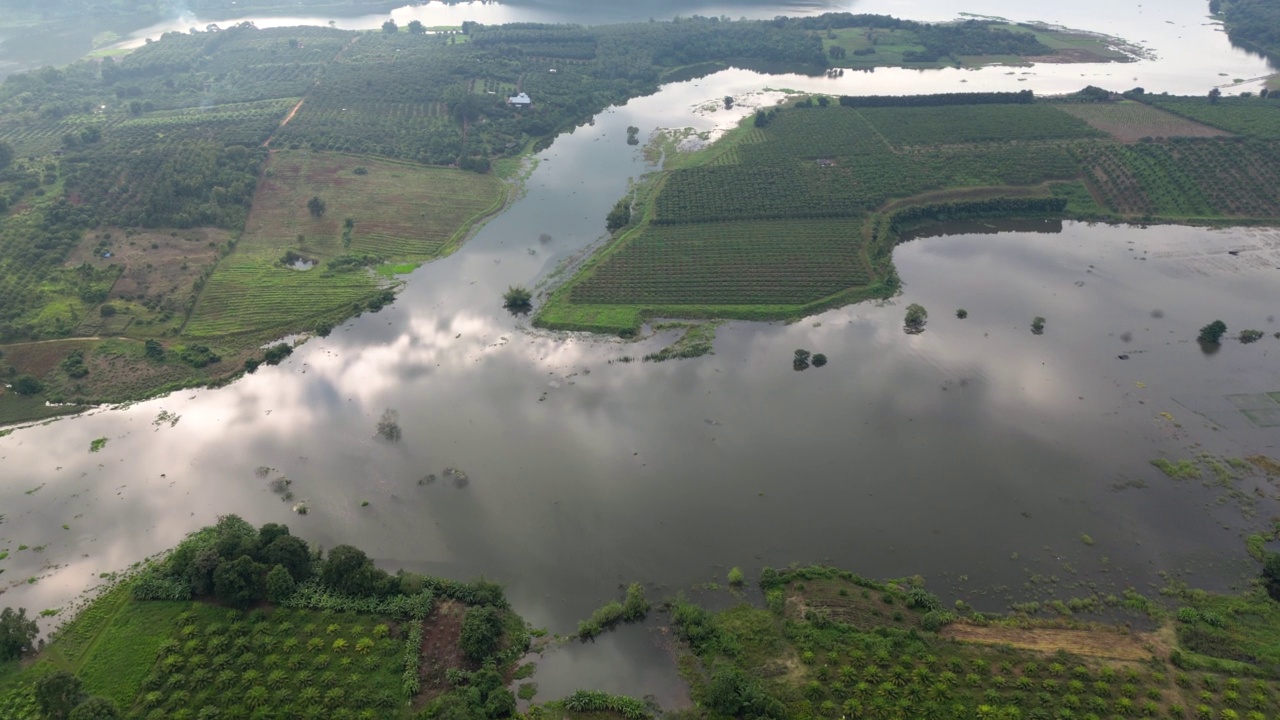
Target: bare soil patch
(160, 266)
(440, 648)
(39, 358)
(1100, 643)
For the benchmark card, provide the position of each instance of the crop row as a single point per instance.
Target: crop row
(767, 262)
(1200, 178)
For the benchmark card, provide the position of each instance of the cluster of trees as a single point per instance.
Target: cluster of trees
(239, 565)
(1022, 97)
(1254, 22)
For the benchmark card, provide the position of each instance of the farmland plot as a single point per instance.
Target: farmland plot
(1129, 121)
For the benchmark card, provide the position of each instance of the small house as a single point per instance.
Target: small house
(521, 99)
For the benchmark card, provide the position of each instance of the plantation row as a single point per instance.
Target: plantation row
(1203, 178)
(764, 262)
(1251, 116)
(853, 171)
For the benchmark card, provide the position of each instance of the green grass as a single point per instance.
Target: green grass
(252, 292)
(959, 124)
(1257, 117)
(1180, 470)
(120, 659)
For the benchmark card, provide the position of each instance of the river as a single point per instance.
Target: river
(977, 453)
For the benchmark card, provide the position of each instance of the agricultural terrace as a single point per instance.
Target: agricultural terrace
(831, 644)
(824, 185)
(1130, 121)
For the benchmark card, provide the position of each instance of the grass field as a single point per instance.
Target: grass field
(1129, 121)
(402, 212)
(963, 124)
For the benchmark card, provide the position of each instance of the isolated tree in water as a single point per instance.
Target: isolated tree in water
(1212, 333)
(316, 206)
(917, 316)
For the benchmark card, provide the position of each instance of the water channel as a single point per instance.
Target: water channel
(976, 453)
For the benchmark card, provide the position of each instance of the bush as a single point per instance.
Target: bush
(736, 578)
(1037, 325)
(276, 353)
(635, 607)
(962, 313)
(819, 360)
(27, 385)
(1251, 336)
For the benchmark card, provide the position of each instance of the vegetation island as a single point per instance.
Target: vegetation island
(244, 622)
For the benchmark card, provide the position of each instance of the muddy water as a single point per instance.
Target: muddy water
(944, 454)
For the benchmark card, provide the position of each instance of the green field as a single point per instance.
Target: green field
(1252, 116)
(793, 212)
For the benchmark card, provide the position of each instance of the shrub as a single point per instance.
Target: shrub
(1251, 336)
(962, 313)
(819, 360)
(1037, 325)
(736, 578)
(27, 385)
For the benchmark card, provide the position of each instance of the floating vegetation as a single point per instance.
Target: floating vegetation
(696, 342)
(460, 478)
(1037, 325)
(262, 471)
(98, 444)
(1251, 336)
(1086, 539)
(301, 508)
(427, 479)
(166, 417)
(1181, 470)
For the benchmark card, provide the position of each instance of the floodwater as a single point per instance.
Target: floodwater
(976, 454)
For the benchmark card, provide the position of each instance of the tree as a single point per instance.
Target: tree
(280, 584)
(238, 582)
(290, 552)
(17, 634)
(349, 571)
(517, 298)
(154, 351)
(819, 360)
(417, 28)
(917, 316)
(619, 216)
(316, 206)
(6, 155)
(27, 385)
(481, 630)
(728, 102)
(389, 27)
(1037, 325)
(1214, 94)
(58, 693)
(962, 313)
(801, 360)
(1212, 333)
(95, 708)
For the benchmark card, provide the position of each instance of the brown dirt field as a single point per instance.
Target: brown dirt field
(38, 358)
(1129, 121)
(1101, 643)
(166, 271)
(440, 650)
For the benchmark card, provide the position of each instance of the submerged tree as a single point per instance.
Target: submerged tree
(517, 298)
(819, 360)
(1251, 336)
(917, 316)
(1037, 325)
(800, 362)
(389, 425)
(1212, 333)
